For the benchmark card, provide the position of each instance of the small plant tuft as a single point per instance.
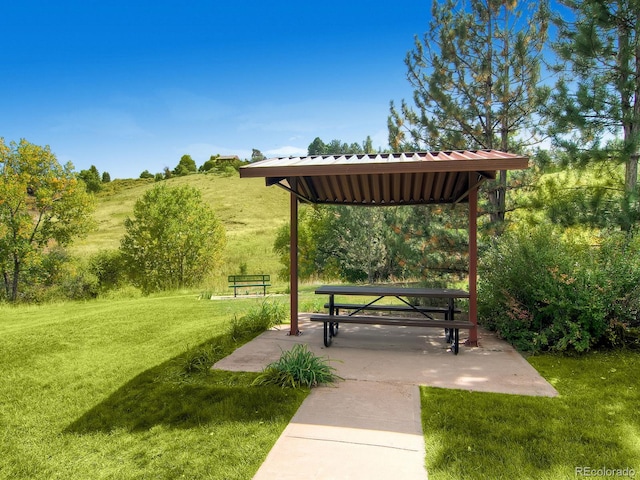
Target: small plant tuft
(243, 268)
(200, 359)
(296, 368)
(258, 319)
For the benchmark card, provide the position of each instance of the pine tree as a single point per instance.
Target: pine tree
(257, 155)
(475, 75)
(91, 178)
(595, 106)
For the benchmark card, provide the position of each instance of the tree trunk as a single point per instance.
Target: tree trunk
(14, 281)
(628, 56)
(631, 173)
(7, 288)
(496, 194)
(504, 132)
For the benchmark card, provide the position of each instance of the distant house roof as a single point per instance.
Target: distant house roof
(227, 157)
(385, 179)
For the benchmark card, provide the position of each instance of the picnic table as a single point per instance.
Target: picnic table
(412, 315)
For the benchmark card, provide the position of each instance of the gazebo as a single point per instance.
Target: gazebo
(416, 178)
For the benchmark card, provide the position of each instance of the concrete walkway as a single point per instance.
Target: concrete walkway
(368, 426)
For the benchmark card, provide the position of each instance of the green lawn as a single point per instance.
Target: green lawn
(100, 390)
(595, 423)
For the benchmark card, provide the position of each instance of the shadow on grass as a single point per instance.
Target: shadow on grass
(174, 396)
(593, 422)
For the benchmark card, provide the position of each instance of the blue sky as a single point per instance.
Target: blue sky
(133, 85)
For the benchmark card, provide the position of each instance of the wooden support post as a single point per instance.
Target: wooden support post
(473, 260)
(293, 259)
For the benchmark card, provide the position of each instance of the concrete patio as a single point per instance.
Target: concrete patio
(368, 426)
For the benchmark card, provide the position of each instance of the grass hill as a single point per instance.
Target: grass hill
(250, 211)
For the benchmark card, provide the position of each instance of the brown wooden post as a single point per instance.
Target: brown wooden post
(473, 260)
(293, 259)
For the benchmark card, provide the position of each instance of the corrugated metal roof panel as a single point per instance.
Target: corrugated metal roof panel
(385, 179)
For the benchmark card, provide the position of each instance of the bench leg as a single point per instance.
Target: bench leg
(333, 326)
(452, 336)
(448, 315)
(327, 334)
(455, 341)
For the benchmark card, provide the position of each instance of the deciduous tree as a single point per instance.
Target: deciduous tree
(173, 239)
(185, 166)
(42, 203)
(209, 165)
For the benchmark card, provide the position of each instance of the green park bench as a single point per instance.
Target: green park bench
(246, 281)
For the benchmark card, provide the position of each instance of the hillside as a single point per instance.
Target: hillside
(251, 214)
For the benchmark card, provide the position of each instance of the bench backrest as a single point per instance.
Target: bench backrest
(249, 278)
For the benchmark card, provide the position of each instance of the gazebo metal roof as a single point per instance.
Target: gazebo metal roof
(385, 179)
(382, 180)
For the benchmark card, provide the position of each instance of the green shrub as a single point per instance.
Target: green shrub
(57, 276)
(108, 268)
(542, 291)
(127, 291)
(298, 367)
(83, 285)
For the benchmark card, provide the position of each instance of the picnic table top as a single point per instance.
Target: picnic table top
(391, 290)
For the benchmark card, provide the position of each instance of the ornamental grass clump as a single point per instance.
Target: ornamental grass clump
(258, 319)
(200, 359)
(296, 368)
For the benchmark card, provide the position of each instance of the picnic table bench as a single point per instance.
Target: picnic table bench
(243, 281)
(357, 307)
(421, 317)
